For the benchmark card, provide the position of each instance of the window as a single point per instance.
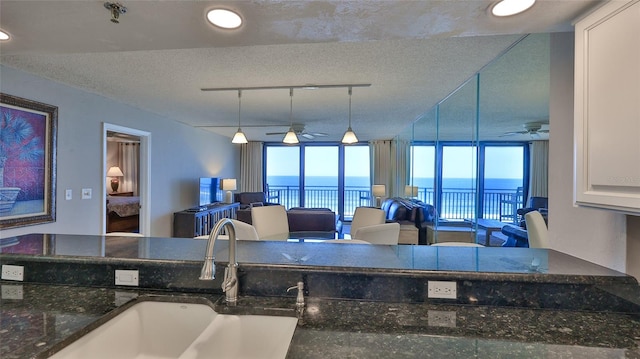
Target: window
(464, 181)
(282, 175)
(319, 175)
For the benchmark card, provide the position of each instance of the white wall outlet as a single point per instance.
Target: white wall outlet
(10, 272)
(68, 194)
(86, 193)
(441, 318)
(11, 291)
(442, 289)
(127, 277)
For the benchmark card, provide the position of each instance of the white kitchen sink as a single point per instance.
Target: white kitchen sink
(151, 329)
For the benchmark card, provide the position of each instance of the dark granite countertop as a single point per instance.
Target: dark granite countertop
(521, 264)
(362, 301)
(46, 317)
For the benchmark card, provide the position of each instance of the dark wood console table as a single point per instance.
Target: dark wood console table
(199, 222)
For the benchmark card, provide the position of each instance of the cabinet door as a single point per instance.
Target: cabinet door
(607, 107)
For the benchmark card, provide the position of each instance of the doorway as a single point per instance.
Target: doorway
(114, 135)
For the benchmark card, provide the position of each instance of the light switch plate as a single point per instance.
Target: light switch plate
(86, 193)
(68, 194)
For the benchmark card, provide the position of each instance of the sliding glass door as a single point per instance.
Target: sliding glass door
(463, 181)
(319, 175)
(357, 187)
(283, 175)
(504, 173)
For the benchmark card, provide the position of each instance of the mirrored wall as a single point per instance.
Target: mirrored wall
(471, 156)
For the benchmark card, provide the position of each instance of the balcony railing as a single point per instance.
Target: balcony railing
(457, 203)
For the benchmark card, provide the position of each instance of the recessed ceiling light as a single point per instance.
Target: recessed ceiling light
(4, 36)
(511, 7)
(225, 19)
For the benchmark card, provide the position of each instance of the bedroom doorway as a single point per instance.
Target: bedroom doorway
(127, 149)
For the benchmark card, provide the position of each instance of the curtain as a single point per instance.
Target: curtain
(381, 164)
(128, 157)
(539, 178)
(401, 167)
(251, 167)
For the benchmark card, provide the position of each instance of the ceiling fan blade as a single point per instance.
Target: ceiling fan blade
(514, 133)
(319, 134)
(308, 136)
(275, 133)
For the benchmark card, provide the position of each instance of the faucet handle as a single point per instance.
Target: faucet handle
(300, 297)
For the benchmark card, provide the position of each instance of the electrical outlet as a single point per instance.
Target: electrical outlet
(441, 318)
(10, 272)
(11, 291)
(442, 289)
(127, 277)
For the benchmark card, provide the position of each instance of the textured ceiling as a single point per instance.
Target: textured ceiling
(413, 53)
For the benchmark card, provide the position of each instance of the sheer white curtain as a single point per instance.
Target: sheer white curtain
(251, 167)
(539, 179)
(381, 164)
(128, 157)
(401, 167)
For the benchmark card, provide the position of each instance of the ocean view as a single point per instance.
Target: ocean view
(458, 198)
(363, 182)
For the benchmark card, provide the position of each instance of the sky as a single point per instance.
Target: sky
(502, 162)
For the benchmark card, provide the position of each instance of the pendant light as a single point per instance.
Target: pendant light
(239, 137)
(349, 136)
(291, 137)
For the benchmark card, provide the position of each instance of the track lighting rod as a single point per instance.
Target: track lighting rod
(306, 87)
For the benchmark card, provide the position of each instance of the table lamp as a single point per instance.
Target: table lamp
(379, 191)
(228, 184)
(115, 172)
(411, 191)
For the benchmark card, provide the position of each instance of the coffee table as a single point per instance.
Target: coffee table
(489, 226)
(450, 234)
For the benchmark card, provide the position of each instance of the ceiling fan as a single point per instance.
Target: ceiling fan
(531, 128)
(299, 130)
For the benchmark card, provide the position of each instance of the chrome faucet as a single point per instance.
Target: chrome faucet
(208, 272)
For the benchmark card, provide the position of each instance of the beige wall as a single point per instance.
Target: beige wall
(596, 235)
(179, 155)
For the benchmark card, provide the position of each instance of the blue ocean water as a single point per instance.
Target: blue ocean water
(447, 183)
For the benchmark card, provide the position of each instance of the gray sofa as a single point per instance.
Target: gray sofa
(323, 221)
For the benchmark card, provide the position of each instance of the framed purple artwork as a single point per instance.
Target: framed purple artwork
(27, 162)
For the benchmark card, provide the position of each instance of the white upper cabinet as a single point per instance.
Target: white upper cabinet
(607, 108)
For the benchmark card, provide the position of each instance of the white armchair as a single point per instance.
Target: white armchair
(270, 221)
(366, 216)
(386, 233)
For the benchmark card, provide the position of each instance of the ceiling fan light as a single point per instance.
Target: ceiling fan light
(349, 137)
(291, 137)
(511, 7)
(239, 137)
